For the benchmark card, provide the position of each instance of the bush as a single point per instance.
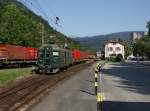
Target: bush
(115, 58)
(119, 58)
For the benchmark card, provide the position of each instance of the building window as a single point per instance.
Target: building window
(118, 48)
(110, 49)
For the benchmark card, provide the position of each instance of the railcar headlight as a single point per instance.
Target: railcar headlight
(34, 68)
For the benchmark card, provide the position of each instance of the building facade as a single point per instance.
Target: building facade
(114, 48)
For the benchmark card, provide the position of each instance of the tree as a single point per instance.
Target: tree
(148, 26)
(119, 57)
(142, 47)
(20, 26)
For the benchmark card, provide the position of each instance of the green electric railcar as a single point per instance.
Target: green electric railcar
(52, 58)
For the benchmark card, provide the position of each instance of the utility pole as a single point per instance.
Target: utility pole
(42, 34)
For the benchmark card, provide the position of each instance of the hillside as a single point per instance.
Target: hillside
(96, 42)
(21, 26)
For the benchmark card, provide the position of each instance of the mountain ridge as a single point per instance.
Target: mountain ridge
(21, 26)
(97, 42)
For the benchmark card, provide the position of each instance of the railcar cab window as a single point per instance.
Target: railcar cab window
(55, 53)
(47, 55)
(40, 54)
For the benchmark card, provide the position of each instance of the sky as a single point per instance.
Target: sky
(80, 18)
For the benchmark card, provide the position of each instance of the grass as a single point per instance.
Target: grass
(7, 75)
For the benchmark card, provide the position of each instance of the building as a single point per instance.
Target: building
(136, 36)
(98, 54)
(145, 33)
(148, 27)
(114, 48)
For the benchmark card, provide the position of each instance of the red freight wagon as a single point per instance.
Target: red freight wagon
(32, 53)
(84, 55)
(76, 55)
(17, 53)
(79, 56)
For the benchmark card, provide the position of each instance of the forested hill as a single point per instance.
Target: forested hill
(20, 26)
(97, 42)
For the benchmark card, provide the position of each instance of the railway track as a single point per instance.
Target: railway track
(18, 96)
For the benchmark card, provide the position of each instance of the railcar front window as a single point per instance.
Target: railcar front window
(47, 55)
(55, 53)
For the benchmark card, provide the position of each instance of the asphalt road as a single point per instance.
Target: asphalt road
(74, 94)
(126, 87)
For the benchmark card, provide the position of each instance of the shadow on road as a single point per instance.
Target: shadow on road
(133, 77)
(125, 106)
(90, 81)
(87, 92)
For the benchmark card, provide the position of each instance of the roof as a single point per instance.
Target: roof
(114, 41)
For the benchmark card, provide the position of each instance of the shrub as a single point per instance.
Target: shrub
(119, 58)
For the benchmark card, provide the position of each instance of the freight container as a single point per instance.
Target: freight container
(32, 53)
(76, 55)
(79, 56)
(9, 53)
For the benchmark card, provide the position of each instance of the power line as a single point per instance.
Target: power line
(42, 11)
(39, 9)
(57, 19)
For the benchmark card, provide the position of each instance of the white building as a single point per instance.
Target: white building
(114, 48)
(98, 54)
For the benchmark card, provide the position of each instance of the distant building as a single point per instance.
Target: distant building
(145, 33)
(148, 26)
(98, 54)
(136, 36)
(114, 48)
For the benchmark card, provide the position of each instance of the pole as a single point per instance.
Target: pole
(99, 96)
(42, 34)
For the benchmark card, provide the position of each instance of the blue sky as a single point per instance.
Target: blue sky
(94, 17)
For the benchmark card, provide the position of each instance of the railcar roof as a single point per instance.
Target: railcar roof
(54, 46)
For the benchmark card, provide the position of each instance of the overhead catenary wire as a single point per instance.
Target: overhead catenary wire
(53, 22)
(56, 20)
(42, 10)
(50, 20)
